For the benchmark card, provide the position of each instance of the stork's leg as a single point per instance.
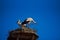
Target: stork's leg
(28, 26)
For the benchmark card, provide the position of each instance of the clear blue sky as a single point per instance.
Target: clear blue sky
(45, 12)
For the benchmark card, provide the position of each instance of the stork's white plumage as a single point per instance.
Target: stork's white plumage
(19, 23)
(30, 20)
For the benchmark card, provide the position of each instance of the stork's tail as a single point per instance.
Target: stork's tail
(18, 22)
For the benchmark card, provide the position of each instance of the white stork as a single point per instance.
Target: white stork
(26, 21)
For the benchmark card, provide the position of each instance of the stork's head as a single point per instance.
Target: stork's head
(30, 20)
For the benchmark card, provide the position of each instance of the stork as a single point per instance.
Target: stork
(26, 21)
